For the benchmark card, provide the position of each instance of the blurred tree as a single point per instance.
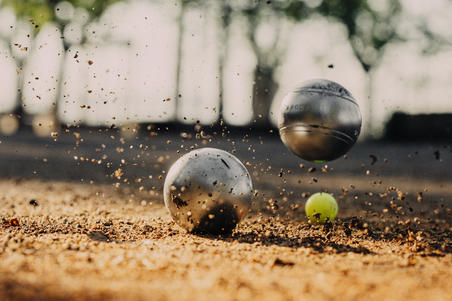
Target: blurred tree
(259, 13)
(256, 13)
(224, 10)
(39, 12)
(370, 24)
(370, 27)
(180, 41)
(268, 59)
(225, 22)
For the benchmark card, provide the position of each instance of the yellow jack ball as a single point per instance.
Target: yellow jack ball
(320, 207)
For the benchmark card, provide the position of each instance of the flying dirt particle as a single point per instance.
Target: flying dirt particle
(420, 197)
(373, 159)
(437, 155)
(281, 262)
(90, 62)
(33, 203)
(98, 236)
(118, 173)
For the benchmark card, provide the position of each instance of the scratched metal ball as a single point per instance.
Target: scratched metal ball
(319, 120)
(208, 190)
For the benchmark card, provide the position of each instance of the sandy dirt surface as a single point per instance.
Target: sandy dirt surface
(73, 227)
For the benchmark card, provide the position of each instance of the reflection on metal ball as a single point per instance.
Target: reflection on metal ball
(208, 191)
(319, 120)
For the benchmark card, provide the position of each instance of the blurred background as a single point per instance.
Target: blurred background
(139, 62)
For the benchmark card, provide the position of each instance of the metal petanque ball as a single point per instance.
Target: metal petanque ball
(319, 120)
(208, 190)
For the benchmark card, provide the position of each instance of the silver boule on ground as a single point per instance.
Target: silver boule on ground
(319, 120)
(208, 190)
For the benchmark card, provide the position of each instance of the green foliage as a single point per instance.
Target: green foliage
(95, 7)
(344, 11)
(40, 12)
(296, 10)
(368, 29)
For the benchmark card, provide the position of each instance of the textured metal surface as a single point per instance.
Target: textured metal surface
(208, 190)
(319, 120)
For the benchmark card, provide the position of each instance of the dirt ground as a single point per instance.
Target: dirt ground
(77, 229)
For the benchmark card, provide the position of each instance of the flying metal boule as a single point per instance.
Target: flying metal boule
(319, 120)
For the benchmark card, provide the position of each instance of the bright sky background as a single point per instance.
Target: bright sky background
(127, 67)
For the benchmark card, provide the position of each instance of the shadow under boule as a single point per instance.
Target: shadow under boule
(220, 220)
